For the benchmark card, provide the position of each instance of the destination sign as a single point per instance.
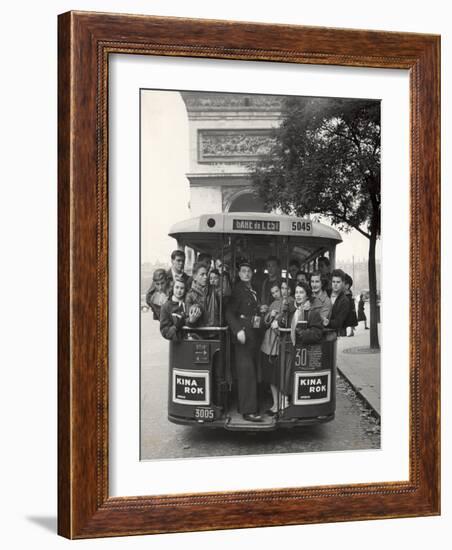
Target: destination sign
(312, 389)
(191, 387)
(255, 225)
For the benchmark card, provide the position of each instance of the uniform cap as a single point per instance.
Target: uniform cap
(244, 262)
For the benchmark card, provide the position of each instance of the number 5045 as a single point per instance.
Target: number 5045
(301, 226)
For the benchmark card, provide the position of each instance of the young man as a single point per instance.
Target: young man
(176, 270)
(325, 270)
(273, 276)
(202, 302)
(301, 277)
(214, 278)
(259, 275)
(294, 268)
(320, 301)
(206, 259)
(341, 303)
(222, 270)
(324, 266)
(158, 293)
(242, 315)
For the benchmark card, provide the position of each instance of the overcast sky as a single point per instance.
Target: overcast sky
(165, 192)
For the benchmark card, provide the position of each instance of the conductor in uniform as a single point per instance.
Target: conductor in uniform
(243, 318)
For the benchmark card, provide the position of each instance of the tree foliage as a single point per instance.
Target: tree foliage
(325, 160)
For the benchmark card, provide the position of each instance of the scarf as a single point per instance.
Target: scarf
(201, 291)
(299, 315)
(180, 303)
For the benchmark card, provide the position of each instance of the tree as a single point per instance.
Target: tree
(326, 160)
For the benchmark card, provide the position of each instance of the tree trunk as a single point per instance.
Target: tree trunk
(372, 270)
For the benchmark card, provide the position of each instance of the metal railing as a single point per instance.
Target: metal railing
(208, 329)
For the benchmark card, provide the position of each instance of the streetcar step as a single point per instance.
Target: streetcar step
(236, 422)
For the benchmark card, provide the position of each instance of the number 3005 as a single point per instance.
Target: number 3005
(205, 414)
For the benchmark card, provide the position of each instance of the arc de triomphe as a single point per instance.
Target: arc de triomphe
(227, 133)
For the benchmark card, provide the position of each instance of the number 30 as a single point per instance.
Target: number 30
(300, 357)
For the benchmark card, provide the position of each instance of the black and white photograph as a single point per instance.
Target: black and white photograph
(260, 274)
(230, 222)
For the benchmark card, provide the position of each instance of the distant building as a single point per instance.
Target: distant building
(227, 134)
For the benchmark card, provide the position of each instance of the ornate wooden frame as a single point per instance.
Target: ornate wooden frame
(85, 42)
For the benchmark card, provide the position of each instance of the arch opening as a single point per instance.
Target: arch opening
(246, 202)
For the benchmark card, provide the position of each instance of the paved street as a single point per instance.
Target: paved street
(361, 366)
(353, 428)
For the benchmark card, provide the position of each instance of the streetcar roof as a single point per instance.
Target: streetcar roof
(252, 223)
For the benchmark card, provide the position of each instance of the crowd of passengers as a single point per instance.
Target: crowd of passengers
(255, 307)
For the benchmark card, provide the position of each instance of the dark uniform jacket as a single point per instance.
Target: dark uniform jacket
(242, 307)
(240, 310)
(340, 311)
(257, 281)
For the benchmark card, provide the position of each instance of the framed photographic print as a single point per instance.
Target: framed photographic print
(248, 246)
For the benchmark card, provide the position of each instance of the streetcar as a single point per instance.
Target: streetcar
(202, 384)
